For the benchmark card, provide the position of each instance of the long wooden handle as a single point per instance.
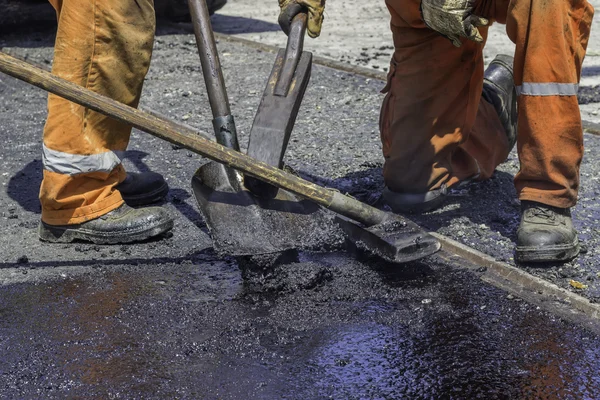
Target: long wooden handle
(189, 139)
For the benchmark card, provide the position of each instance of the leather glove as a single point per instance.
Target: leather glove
(291, 8)
(453, 19)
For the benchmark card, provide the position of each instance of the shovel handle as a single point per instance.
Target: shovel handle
(189, 139)
(223, 122)
(293, 52)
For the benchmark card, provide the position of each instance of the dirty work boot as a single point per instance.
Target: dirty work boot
(546, 234)
(140, 189)
(123, 225)
(499, 90)
(415, 203)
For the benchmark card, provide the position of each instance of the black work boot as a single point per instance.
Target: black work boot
(499, 90)
(546, 234)
(140, 189)
(123, 225)
(415, 203)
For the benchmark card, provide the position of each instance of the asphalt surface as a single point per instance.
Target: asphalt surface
(171, 319)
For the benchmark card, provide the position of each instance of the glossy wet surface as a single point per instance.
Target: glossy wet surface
(325, 327)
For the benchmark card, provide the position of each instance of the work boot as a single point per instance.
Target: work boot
(140, 189)
(499, 90)
(546, 234)
(123, 225)
(415, 203)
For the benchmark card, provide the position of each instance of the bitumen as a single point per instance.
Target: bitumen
(170, 318)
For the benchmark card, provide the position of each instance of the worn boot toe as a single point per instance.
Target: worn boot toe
(546, 234)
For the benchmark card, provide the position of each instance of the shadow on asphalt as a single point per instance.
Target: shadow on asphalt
(42, 33)
(24, 187)
(235, 25)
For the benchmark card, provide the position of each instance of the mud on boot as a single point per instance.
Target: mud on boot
(123, 225)
(546, 234)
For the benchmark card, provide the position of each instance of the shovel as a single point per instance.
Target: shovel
(266, 220)
(390, 236)
(279, 105)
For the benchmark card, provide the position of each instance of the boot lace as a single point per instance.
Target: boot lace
(543, 213)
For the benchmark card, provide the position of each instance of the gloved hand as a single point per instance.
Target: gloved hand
(453, 19)
(291, 8)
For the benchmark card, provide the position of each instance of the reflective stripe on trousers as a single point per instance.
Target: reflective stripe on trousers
(74, 164)
(547, 89)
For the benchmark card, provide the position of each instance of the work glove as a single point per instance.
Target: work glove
(453, 19)
(291, 8)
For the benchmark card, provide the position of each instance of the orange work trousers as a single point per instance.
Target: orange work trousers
(436, 128)
(104, 46)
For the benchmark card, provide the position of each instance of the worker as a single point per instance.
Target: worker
(446, 122)
(104, 46)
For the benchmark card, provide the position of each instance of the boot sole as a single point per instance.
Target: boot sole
(53, 234)
(547, 254)
(147, 198)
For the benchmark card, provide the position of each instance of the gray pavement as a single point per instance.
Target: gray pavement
(170, 319)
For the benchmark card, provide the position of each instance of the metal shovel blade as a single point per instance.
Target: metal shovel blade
(241, 224)
(395, 240)
(276, 117)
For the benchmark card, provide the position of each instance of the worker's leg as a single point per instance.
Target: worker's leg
(435, 127)
(551, 38)
(105, 46)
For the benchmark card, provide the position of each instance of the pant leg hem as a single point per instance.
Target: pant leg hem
(83, 214)
(547, 198)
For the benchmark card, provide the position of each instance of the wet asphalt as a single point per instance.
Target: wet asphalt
(171, 319)
(324, 327)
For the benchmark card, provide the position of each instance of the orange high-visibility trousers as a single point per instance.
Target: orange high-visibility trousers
(104, 46)
(436, 128)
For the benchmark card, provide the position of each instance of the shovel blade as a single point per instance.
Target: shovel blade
(395, 240)
(241, 224)
(275, 119)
